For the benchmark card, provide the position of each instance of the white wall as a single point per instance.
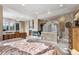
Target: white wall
(36, 25)
(27, 27)
(1, 21)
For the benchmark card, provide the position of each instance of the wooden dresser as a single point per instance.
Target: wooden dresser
(15, 35)
(74, 38)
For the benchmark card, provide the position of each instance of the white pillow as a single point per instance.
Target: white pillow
(74, 52)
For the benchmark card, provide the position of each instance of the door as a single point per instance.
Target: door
(77, 41)
(74, 38)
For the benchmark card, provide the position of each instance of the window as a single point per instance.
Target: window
(5, 25)
(50, 27)
(17, 27)
(10, 25)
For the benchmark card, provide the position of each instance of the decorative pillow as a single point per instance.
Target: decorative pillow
(74, 52)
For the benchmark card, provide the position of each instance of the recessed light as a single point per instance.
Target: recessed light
(49, 12)
(23, 4)
(61, 5)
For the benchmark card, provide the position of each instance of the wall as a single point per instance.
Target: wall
(37, 22)
(41, 21)
(27, 27)
(62, 20)
(62, 23)
(1, 22)
(36, 25)
(22, 26)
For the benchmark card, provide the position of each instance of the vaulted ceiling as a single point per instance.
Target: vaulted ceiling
(33, 11)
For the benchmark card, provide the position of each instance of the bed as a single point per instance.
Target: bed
(29, 47)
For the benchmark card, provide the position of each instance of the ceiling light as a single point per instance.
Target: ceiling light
(61, 5)
(22, 4)
(49, 12)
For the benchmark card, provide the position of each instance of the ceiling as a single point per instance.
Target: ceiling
(33, 11)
